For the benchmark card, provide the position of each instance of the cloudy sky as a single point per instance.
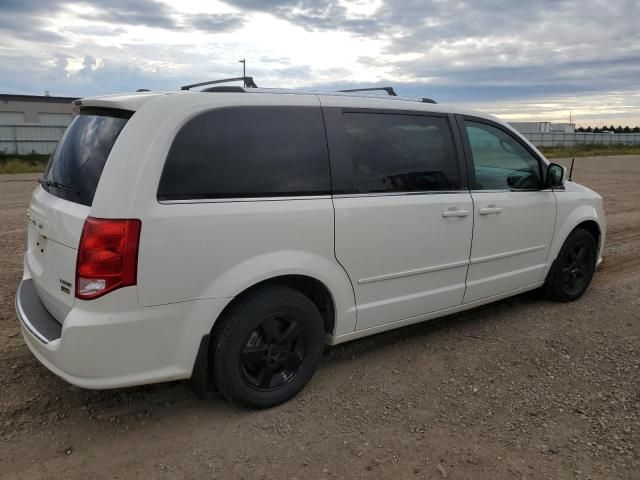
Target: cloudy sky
(521, 60)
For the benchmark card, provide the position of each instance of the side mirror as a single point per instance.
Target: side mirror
(556, 175)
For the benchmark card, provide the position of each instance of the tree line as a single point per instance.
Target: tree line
(618, 129)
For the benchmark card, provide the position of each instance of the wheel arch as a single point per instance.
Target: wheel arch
(324, 281)
(309, 286)
(299, 269)
(593, 228)
(585, 217)
(312, 288)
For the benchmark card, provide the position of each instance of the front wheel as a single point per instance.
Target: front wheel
(574, 267)
(268, 348)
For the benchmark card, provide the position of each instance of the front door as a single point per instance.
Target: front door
(514, 215)
(403, 231)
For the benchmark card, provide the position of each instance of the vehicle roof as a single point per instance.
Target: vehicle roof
(135, 100)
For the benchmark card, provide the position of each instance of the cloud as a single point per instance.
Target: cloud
(14, 29)
(150, 13)
(484, 52)
(28, 6)
(215, 23)
(312, 14)
(27, 20)
(33, 76)
(486, 47)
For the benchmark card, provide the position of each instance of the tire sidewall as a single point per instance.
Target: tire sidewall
(558, 288)
(246, 318)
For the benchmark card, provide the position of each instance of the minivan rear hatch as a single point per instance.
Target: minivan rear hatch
(63, 201)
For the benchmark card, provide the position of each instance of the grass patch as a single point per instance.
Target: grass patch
(20, 166)
(589, 151)
(23, 163)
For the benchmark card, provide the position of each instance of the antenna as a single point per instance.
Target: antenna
(571, 169)
(244, 69)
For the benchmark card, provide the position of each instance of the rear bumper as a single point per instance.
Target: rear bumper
(34, 316)
(103, 344)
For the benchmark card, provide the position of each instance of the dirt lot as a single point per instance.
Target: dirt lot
(524, 388)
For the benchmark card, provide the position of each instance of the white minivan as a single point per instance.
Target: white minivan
(227, 235)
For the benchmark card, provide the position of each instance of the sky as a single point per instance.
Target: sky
(520, 60)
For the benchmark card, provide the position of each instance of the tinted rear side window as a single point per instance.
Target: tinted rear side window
(248, 152)
(401, 153)
(74, 170)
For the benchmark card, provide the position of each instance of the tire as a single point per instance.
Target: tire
(573, 269)
(268, 347)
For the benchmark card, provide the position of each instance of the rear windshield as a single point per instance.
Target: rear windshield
(74, 169)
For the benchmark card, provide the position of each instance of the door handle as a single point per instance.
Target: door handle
(491, 209)
(455, 213)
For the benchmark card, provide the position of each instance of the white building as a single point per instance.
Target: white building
(543, 127)
(35, 109)
(563, 127)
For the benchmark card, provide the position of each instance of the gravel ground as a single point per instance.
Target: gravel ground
(524, 388)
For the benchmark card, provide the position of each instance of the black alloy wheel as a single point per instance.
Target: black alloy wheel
(267, 346)
(576, 268)
(273, 353)
(573, 269)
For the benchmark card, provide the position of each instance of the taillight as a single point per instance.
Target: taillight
(107, 256)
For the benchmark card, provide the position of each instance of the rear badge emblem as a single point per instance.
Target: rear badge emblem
(65, 286)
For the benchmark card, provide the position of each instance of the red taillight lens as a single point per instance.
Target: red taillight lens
(107, 256)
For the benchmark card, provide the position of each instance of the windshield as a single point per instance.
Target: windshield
(74, 169)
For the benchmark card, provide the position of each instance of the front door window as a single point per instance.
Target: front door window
(501, 162)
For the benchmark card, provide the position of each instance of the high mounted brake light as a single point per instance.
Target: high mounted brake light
(75, 106)
(107, 256)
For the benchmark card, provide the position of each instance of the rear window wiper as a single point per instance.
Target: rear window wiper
(61, 186)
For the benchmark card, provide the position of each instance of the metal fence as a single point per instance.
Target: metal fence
(26, 139)
(552, 139)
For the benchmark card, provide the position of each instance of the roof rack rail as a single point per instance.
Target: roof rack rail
(225, 88)
(389, 90)
(248, 82)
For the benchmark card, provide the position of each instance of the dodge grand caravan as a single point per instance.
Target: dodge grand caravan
(228, 235)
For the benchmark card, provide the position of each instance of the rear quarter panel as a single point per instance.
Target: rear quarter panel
(212, 250)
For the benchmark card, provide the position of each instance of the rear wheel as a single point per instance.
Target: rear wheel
(268, 348)
(574, 267)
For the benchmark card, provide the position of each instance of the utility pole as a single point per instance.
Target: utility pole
(244, 70)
